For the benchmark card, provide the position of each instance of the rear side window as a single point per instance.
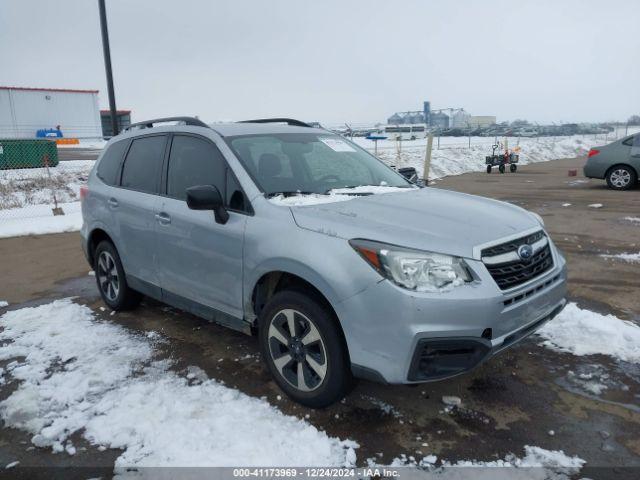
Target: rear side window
(109, 166)
(194, 161)
(143, 163)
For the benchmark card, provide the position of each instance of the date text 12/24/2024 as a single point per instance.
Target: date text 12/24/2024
(313, 472)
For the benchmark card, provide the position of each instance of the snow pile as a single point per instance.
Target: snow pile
(335, 195)
(4, 303)
(27, 198)
(83, 375)
(627, 257)
(25, 187)
(538, 463)
(582, 332)
(455, 157)
(39, 219)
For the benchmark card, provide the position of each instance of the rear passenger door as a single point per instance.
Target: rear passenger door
(135, 208)
(200, 260)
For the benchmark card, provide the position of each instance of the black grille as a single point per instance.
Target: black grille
(511, 274)
(512, 245)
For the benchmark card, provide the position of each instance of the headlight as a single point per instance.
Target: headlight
(538, 217)
(414, 269)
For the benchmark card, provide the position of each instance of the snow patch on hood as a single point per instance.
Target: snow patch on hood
(335, 195)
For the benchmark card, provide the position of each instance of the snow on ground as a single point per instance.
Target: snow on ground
(583, 332)
(635, 220)
(627, 257)
(537, 463)
(4, 303)
(455, 157)
(25, 187)
(39, 219)
(77, 373)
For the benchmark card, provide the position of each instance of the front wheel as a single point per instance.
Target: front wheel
(513, 167)
(304, 350)
(488, 168)
(621, 177)
(501, 168)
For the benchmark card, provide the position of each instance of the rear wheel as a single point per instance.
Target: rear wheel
(302, 346)
(621, 177)
(111, 280)
(513, 167)
(488, 168)
(501, 168)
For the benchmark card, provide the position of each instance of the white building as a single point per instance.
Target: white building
(482, 121)
(459, 119)
(23, 111)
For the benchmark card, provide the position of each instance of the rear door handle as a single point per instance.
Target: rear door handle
(113, 203)
(163, 218)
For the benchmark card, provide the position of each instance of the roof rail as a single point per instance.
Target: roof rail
(196, 122)
(288, 121)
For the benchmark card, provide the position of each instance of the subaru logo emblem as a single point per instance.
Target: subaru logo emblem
(525, 252)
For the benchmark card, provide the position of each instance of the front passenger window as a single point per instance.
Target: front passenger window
(194, 161)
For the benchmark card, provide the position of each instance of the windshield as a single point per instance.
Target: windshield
(310, 163)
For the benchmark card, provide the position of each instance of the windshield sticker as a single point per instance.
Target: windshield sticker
(337, 145)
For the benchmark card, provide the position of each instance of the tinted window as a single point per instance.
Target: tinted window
(235, 198)
(109, 166)
(143, 164)
(629, 141)
(194, 161)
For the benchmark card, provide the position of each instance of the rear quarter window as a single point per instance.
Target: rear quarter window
(111, 161)
(144, 161)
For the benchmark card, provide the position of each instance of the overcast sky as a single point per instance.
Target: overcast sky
(335, 61)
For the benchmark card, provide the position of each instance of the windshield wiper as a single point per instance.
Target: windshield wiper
(359, 186)
(291, 193)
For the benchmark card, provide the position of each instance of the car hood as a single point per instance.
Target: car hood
(426, 219)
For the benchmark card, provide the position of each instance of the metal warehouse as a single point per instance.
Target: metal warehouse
(24, 111)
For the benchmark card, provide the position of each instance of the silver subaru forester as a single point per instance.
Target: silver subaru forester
(341, 266)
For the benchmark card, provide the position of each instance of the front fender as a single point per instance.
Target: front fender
(328, 263)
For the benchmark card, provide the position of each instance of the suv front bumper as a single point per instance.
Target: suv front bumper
(400, 336)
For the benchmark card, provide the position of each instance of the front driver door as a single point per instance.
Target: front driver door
(199, 259)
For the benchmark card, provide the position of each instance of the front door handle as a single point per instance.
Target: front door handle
(163, 218)
(113, 203)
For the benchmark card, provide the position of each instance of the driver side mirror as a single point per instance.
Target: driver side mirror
(207, 197)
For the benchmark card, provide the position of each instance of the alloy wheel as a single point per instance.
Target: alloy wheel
(108, 276)
(297, 350)
(620, 178)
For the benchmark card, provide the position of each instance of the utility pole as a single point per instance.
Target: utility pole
(107, 66)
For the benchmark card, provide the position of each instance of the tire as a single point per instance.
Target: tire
(316, 351)
(111, 280)
(488, 168)
(621, 177)
(501, 168)
(513, 167)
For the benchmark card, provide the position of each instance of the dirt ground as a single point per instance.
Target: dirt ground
(516, 399)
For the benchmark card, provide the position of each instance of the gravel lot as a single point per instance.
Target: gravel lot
(516, 399)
